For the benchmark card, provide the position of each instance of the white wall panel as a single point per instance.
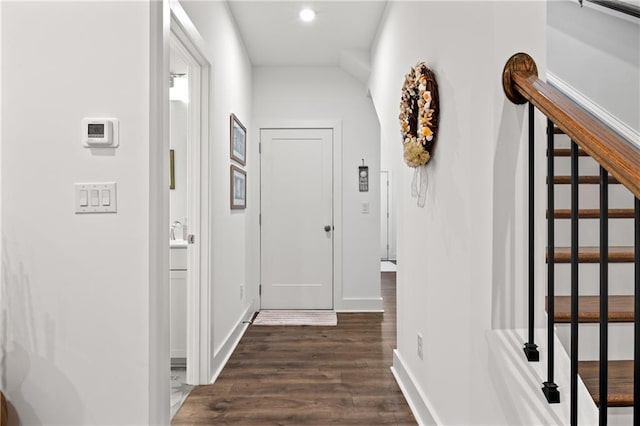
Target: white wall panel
(76, 324)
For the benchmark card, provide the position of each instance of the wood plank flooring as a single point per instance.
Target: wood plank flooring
(308, 375)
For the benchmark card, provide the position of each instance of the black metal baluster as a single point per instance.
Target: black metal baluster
(550, 388)
(530, 348)
(636, 326)
(604, 293)
(574, 284)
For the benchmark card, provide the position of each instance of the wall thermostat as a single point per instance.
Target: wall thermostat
(363, 178)
(100, 132)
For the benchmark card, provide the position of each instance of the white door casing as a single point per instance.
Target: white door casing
(297, 205)
(185, 39)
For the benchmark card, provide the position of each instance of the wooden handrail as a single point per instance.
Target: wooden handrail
(618, 156)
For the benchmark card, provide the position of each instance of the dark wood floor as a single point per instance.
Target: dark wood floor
(308, 375)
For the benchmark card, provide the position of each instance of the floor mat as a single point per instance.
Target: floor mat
(386, 266)
(282, 317)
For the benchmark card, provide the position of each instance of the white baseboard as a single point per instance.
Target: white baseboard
(598, 111)
(420, 405)
(222, 356)
(361, 305)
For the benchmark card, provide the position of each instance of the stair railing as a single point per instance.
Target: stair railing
(617, 5)
(617, 158)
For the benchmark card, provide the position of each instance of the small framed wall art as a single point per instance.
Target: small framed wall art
(238, 188)
(238, 140)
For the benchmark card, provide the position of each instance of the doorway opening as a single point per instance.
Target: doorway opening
(387, 225)
(188, 227)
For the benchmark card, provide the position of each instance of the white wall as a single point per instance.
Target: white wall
(312, 94)
(80, 304)
(455, 258)
(234, 258)
(597, 52)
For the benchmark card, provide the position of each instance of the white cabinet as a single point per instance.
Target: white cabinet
(178, 304)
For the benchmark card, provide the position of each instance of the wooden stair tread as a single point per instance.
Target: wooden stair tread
(594, 214)
(620, 383)
(558, 131)
(566, 152)
(582, 180)
(617, 254)
(621, 309)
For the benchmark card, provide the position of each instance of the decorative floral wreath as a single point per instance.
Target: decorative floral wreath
(419, 115)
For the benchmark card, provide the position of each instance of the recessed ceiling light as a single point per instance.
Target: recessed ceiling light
(307, 15)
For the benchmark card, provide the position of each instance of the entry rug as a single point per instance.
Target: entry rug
(282, 317)
(388, 266)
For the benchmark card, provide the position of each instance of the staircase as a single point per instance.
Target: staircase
(593, 260)
(620, 304)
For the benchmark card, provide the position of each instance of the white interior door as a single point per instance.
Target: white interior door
(297, 218)
(384, 215)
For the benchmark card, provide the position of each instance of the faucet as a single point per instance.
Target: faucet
(174, 225)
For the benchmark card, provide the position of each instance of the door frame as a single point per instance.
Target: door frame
(336, 127)
(191, 45)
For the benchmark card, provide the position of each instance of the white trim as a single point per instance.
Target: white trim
(198, 279)
(602, 114)
(221, 357)
(353, 304)
(336, 126)
(1, 245)
(158, 243)
(420, 405)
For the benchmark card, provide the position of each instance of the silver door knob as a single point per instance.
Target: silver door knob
(327, 228)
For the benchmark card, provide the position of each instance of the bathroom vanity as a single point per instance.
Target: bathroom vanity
(178, 304)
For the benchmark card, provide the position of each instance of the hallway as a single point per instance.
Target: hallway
(309, 375)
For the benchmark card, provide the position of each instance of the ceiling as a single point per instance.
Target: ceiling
(274, 35)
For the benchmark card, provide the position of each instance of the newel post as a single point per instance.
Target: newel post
(523, 63)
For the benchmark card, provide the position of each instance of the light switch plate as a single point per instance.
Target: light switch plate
(365, 208)
(106, 204)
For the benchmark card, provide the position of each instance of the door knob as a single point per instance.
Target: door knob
(327, 228)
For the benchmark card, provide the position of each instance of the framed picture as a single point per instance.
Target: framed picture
(172, 170)
(238, 188)
(238, 141)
